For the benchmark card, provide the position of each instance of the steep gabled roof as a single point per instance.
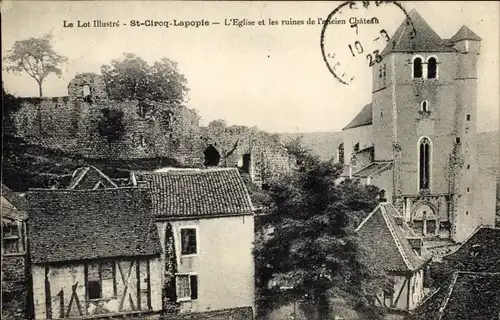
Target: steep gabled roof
(13, 205)
(465, 34)
(197, 193)
(480, 252)
(73, 225)
(89, 178)
(465, 295)
(415, 35)
(363, 118)
(388, 241)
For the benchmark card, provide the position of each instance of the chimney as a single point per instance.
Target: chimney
(399, 220)
(416, 243)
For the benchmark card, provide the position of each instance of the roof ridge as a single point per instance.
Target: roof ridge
(465, 240)
(450, 291)
(396, 240)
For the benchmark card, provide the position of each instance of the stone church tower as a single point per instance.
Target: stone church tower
(420, 132)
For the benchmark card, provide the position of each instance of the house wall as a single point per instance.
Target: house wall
(59, 291)
(408, 291)
(224, 261)
(362, 135)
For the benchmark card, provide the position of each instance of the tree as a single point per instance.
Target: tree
(313, 257)
(133, 78)
(111, 125)
(36, 57)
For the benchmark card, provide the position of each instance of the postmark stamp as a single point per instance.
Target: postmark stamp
(356, 33)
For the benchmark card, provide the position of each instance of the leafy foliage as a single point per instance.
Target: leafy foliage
(111, 124)
(313, 256)
(36, 57)
(133, 78)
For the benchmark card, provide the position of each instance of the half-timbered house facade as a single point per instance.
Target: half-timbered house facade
(93, 252)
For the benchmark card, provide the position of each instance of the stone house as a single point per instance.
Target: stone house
(93, 252)
(206, 225)
(416, 139)
(15, 264)
(396, 249)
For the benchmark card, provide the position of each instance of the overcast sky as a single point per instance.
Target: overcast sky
(271, 77)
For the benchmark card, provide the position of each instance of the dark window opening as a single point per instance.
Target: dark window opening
(468, 189)
(431, 68)
(356, 147)
(417, 68)
(468, 117)
(466, 213)
(457, 139)
(425, 106)
(246, 162)
(468, 166)
(341, 153)
(212, 156)
(188, 238)
(193, 281)
(265, 186)
(382, 196)
(94, 289)
(424, 164)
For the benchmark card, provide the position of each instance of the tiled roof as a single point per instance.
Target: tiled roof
(465, 295)
(198, 193)
(363, 118)
(13, 205)
(480, 252)
(14, 198)
(89, 178)
(465, 34)
(388, 241)
(415, 35)
(69, 225)
(372, 169)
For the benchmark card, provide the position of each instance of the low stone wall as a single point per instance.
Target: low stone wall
(14, 287)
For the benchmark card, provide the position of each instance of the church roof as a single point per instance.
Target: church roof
(465, 34)
(388, 241)
(465, 295)
(415, 35)
(372, 169)
(363, 118)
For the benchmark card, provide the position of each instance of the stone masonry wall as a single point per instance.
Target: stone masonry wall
(14, 287)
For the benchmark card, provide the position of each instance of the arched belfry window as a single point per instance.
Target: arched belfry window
(424, 163)
(424, 106)
(417, 67)
(432, 68)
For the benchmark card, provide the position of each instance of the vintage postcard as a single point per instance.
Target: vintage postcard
(238, 160)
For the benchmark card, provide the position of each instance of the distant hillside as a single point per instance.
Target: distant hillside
(324, 144)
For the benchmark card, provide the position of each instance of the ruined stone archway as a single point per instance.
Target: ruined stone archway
(212, 156)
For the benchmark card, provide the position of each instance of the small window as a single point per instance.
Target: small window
(86, 90)
(424, 106)
(10, 235)
(417, 68)
(468, 166)
(468, 117)
(468, 189)
(187, 287)
(457, 139)
(432, 68)
(188, 238)
(101, 281)
(466, 213)
(94, 289)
